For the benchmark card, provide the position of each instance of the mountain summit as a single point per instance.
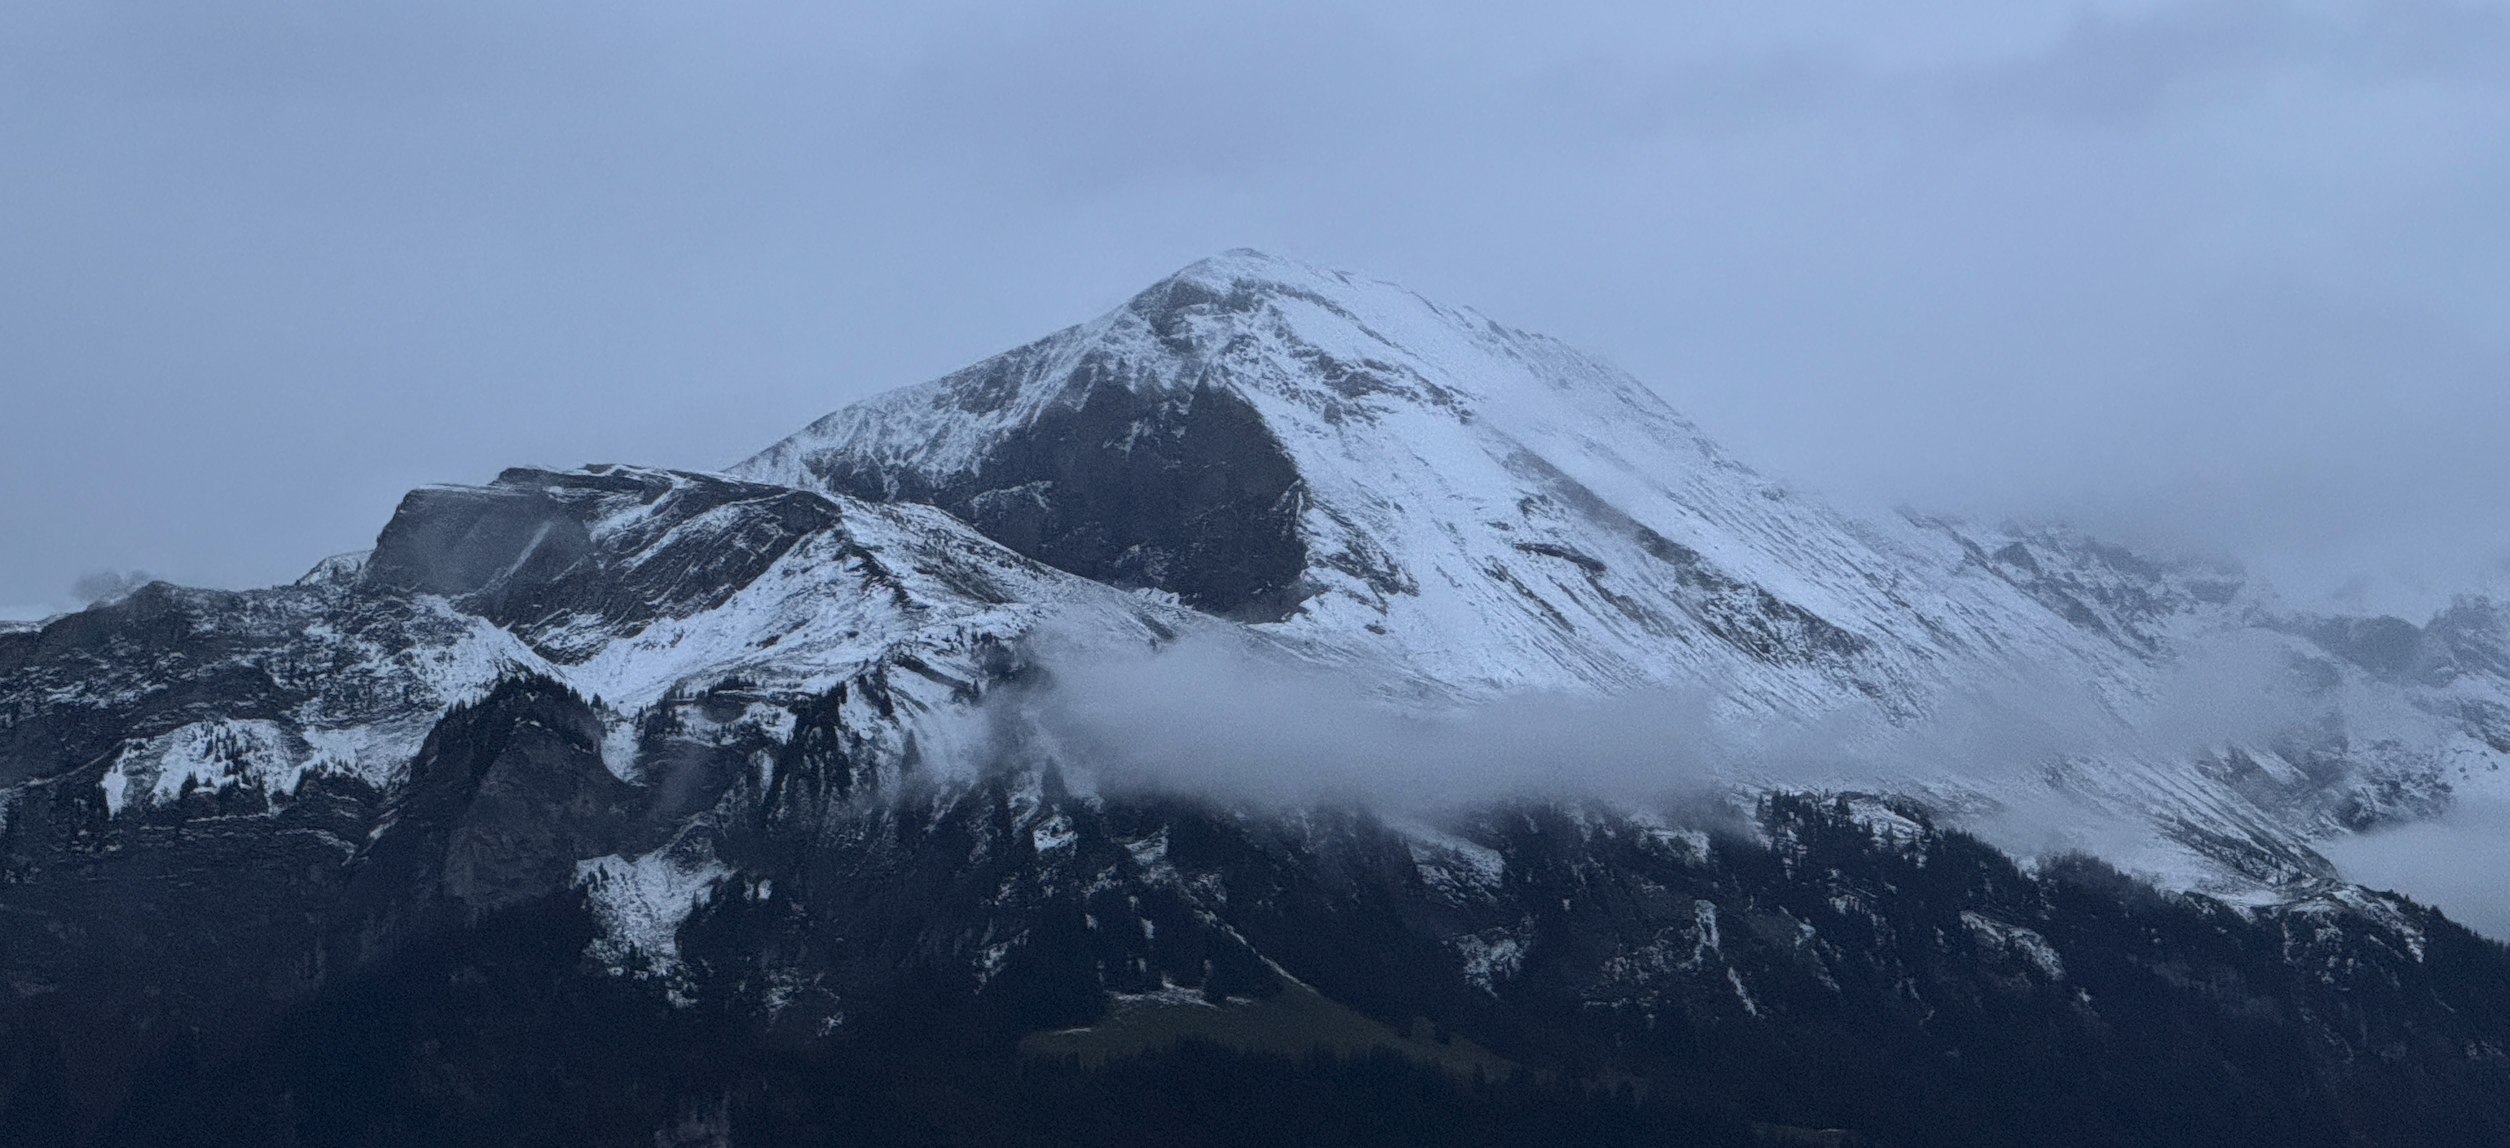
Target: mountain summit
(1349, 462)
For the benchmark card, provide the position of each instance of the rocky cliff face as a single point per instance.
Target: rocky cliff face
(624, 805)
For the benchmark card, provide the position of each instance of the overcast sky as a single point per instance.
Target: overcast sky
(2226, 274)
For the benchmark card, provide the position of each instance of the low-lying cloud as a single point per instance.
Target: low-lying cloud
(2028, 765)
(1218, 718)
(2454, 861)
(1207, 717)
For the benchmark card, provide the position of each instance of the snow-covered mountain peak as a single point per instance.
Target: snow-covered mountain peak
(1401, 479)
(1342, 348)
(1367, 345)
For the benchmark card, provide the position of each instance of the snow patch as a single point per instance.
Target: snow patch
(1150, 852)
(2009, 937)
(1493, 955)
(618, 747)
(1886, 824)
(1740, 993)
(1692, 843)
(1704, 933)
(1455, 867)
(642, 901)
(1053, 833)
(214, 755)
(337, 570)
(1169, 993)
(2381, 909)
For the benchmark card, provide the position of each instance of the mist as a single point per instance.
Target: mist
(2013, 761)
(1215, 717)
(2221, 275)
(2454, 862)
(1208, 717)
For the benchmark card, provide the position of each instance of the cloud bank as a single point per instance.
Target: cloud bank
(2455, 861)
(1205, 717)
(1214, 717)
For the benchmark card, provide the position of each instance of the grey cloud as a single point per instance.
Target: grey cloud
(1206, 717)
(2106, 69)
(2454, 862)
(2223, 273)
(2113, 68)
(1215, 718)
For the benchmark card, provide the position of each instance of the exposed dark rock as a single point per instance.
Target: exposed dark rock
(568, 560)
(1179, 491)
(2389, 647)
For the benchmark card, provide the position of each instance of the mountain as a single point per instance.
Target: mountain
(627, 805)
(1373, 472)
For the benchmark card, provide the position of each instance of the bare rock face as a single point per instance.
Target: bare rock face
(1183, 493)
(569, 560)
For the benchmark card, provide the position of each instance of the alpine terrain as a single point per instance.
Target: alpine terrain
(631, 806)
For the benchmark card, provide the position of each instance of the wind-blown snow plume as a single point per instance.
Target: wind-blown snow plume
(97, 586)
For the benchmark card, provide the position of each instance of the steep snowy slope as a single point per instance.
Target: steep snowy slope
(630, 583)
(1424, 495)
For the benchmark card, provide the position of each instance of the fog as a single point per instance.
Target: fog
(1215, 717)
(2455, 861)
(1208, 717)
(2222, 274)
